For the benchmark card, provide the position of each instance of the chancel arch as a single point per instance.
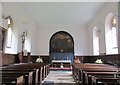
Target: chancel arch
(61, 46)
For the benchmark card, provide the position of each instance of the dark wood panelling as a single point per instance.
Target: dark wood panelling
(23, 59)
(1, 53)
(8, 59)
(2, 37)
(44, 57)
(107, 59)
(13, 58)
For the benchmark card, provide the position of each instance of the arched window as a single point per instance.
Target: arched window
(114, 33)
(9, 32)
(111, 34)
(96, 41)
(27, 42)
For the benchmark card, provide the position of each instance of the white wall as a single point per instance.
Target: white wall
(32, 33)
(79, 34)
(21, 21)
(0, 13)
(39, 38)
(119, 29)
(99, 22)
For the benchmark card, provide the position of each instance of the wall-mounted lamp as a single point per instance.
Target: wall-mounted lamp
(114, 22)
(9, 21)
(97, 30)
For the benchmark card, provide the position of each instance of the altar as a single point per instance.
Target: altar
(59, 63)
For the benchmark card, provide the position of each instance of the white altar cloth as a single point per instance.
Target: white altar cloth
(61, 61)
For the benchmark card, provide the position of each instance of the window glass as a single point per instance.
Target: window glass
(114, 37)
(95, 41)
(9, 37)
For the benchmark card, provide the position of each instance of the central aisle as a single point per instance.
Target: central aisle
(59, 78)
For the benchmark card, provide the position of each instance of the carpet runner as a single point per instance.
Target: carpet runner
(59, 78)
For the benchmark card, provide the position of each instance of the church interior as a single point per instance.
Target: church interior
(59, 43)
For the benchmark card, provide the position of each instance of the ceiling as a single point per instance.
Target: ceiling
(62, 12)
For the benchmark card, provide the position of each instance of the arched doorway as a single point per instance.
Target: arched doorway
(61, 46)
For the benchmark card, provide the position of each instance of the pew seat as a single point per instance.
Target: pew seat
(96, 79)
(36, 72)
(82, 71)
(12, 80)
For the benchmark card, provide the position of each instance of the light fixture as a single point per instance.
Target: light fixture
(96, 29)
(9, 21)
(114, 22)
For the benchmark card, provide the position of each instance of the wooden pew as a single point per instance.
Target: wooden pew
(31, 72)
(88, 75)
(82, 66)
(12, 80)
(111, 83)
(27, 74)
(99, 79)
(40, 75)
(99, 69)
(79, 69)
(43, 69)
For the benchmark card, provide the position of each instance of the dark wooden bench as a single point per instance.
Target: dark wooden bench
(27, 74)
(88, 75)
(80, 69)
(40, 70)
(33, 75)
(12, 80)
(99, 79)
(99, 69)
(111, 83)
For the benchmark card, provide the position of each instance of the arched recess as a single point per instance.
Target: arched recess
(111, 34)
(96, 41)
(61, 46)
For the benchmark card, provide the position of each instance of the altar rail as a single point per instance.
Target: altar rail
(59, 63)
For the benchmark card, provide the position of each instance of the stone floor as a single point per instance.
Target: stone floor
(59, 78)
